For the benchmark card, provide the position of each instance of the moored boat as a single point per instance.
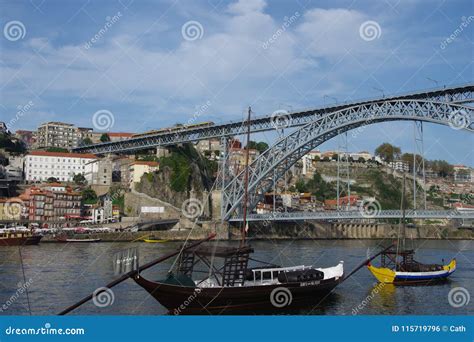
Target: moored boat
(409, 271)
(153, 240)
(399, 267)
(12, 238)
(233, 287)
(83, 240)
(230, 285)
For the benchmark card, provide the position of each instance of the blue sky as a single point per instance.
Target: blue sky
(148, 73)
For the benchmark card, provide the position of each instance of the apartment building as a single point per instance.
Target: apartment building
(42, 165)
(57, 134)
(38, 204)
(462, 174)
(66, 201)
(237, 158)
(208, 145)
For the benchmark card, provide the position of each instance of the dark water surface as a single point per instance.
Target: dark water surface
(63, 273)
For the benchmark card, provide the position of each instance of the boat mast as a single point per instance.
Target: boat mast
(246, 181)
(403, 213)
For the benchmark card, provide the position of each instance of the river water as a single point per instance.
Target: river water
(63, 273)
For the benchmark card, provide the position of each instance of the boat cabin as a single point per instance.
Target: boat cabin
(230, 270)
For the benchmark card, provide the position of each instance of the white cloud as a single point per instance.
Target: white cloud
(247, 6)
(332, 32)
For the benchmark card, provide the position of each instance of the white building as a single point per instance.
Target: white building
(399, 165)
(138, 168)
(41, 165)
(356, 156)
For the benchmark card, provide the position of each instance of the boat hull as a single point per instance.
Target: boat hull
(20, 241)
(386, 275)
(243, 299)
(78, 240)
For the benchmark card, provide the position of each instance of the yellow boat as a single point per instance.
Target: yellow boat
(155, 240)
(413, 273)
(399, 267)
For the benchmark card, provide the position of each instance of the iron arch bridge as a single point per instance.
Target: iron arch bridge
(456, 94)
(272, 164)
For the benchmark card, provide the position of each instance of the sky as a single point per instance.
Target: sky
(152, 64)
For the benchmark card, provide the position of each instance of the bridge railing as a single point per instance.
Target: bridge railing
(357, 214)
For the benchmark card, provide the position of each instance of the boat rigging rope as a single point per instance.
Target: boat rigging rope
(192, 228)
(24, 280)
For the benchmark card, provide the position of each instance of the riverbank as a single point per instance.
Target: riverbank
(284, 231)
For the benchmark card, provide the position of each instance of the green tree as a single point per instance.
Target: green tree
(441, 167)
(86, 142)
(259, 146)
(11, 145)
(104, 137)
(89, 196)
(387, 152)
(321, 189)
(408, 158)
(301, 186)
(262, 146)
(79, 179)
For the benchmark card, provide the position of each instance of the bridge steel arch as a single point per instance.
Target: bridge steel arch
(278, 158)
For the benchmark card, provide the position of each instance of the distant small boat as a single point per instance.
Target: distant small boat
(152, 240)
(78, 240)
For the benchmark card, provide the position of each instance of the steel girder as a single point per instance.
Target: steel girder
(457, 94)
(357, 215)
(277, 159)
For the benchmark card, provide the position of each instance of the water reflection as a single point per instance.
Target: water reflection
(62, 275)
